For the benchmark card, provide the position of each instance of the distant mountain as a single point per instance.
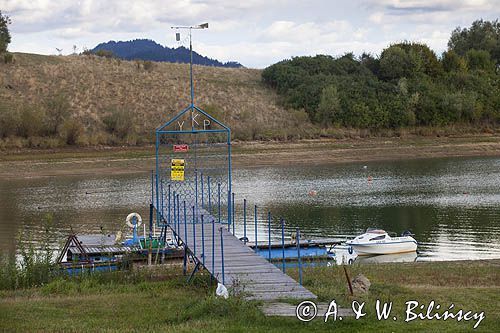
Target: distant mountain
(145, 49)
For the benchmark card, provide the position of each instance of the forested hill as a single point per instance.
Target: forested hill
(145, 49)
(407, 85)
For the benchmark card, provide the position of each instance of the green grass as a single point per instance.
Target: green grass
(165, 303)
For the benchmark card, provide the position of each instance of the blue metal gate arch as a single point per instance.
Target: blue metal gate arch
(206, 152)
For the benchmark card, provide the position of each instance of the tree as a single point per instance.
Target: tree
(452, 62)
(482, 35)
(408, 60)
(479, 59)
(372, 63)
(329, 106)
(58, 110)
(395, 63)
(4, 32)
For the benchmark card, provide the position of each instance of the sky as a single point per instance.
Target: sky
(256, 33)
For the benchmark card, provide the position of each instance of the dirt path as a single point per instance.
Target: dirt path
(34, 164)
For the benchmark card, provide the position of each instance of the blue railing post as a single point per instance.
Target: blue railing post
(185, 225)
(169, 207)
(218, 199)
(150, 232)
(283, 242)
(213, 247)
(255, 228)
(222, 253)
(174, 208)
(298, 256)
(178, 215)
(194, 234)
(245, 221)
(202, 191)
(152, 188)
(202, 240)
(161, 200)
(232, 213)
(196, 189)
(269, 231)
(209, 196)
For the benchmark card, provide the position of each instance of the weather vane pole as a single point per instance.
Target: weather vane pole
(177, 37)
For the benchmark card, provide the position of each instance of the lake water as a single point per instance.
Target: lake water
(451, 205)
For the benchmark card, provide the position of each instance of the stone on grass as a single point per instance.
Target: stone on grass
(360, 284)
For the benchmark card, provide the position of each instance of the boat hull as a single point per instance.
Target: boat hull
(384, 248)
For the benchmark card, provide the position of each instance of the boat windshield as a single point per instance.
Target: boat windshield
(375, 231)
(377, 238)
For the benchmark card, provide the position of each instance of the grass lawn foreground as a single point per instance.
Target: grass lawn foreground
(163, 302)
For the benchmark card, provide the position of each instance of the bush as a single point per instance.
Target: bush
(104, 53)
(32, 120)
(9, 120)
(119, 122)
(8, 58)
(148, 65)
(58, 110)
(71, 131)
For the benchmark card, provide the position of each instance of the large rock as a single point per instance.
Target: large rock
(360, 284)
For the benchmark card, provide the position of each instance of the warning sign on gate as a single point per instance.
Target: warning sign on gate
(177, 171)
(181, 148)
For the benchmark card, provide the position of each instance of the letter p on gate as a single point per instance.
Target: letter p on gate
(206, 123)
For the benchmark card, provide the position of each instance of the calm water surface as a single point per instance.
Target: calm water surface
(452, 205)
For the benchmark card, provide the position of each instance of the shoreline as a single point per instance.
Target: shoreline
(132, 160)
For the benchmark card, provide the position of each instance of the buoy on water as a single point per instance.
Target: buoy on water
(313, 193)
(370, 178)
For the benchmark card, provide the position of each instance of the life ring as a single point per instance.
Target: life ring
(129, 218)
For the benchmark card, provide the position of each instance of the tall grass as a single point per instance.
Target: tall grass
(33, 264)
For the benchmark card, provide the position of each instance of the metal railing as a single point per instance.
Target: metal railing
(170, 213)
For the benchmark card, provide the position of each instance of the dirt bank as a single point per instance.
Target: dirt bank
(125, 160)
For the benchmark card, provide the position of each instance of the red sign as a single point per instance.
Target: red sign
(181, 148)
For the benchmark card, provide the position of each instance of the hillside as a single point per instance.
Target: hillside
(139, 96)
(145, 49)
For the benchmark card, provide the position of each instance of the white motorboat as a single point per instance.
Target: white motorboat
(378, 241)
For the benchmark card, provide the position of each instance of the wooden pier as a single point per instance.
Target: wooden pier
(234, 264)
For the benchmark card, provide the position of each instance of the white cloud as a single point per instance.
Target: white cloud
(253, 32)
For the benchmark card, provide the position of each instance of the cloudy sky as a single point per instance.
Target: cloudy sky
(256, 33)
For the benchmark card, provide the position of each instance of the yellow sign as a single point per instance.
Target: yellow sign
(177, 172)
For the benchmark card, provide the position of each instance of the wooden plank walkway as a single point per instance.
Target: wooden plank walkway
(290, 310)
(245, 271)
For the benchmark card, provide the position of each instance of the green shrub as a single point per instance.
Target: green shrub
(8, 58)
(119, 122)
(71, 131)
(104, 53)
(148, 65)
(9, 120)
(58, 110)
(32, 120)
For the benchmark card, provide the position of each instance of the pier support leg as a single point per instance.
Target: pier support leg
(196, 268)
(184, 265)
(150, 246)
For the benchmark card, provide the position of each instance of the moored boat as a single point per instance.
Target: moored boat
(378, 241)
